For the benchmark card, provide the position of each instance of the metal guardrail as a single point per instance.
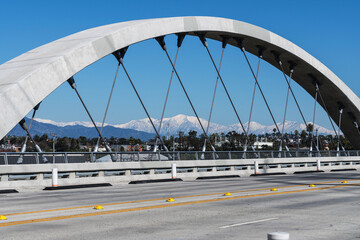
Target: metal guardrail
(10, 158)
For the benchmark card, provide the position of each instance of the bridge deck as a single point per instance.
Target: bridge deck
(327, 211)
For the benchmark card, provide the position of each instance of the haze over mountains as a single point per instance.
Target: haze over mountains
(142, 128)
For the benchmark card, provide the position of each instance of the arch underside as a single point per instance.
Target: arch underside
(28, 79)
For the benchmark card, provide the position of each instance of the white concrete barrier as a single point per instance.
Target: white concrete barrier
(124, 172)
(278, 236)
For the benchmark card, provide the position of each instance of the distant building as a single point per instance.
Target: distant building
(261, 144)
(7, 147)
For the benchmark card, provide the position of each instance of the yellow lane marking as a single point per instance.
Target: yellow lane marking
(161, 199)
(163, 206)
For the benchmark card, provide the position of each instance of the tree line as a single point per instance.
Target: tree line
(231, 141)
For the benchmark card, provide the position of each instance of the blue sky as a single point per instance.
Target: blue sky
(328, 30)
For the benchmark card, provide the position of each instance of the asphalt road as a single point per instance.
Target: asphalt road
(330, 210)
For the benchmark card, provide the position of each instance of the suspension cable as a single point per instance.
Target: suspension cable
(285, 111)
(23, 148)
(107, 107)
(332, 124)
(180, 39)
(119, 57)
(168, 91)
(289, 86)
(338, 140)
(161, 41)
(215, 88)
(72, 83)
(240, 45)
(224, 43)
(203, 40)
(253, 98)
(354, 121)
(23, 125)
(341, 108)
(312, 130)
(277, 58)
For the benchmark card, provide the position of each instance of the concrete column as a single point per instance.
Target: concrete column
(232, 168)
(152, 171)
(72, 175)
(127, 172)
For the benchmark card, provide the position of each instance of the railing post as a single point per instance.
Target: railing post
(37, 158)
(214, 157)
(178, 153)
(6, 159)
(256, 167)
(173, 170)
(40, 176)
(230, 155)
(66, 158)
(318, 164)
(197, 155)
(54, 177)
(138, 155)
(4, 178)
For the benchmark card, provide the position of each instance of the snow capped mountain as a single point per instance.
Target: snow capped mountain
(63, 124)
(177, 123)
(289, 126)
(186, 123)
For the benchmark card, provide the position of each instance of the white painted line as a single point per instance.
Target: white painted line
(246, 223)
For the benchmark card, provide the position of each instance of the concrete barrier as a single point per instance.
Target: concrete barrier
(125, 172)
(278, 236)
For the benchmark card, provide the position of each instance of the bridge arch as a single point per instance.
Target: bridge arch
(29, 78)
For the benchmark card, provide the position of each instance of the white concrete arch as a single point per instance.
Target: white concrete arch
(28, 79)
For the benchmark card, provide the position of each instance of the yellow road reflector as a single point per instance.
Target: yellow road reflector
(227, 194)
(98, 207)
(344, 182)
(2, 217)
(170, 200)
(273, 189)
(312, 185)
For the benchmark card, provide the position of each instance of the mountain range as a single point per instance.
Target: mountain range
(77, 129)
(143, 129)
